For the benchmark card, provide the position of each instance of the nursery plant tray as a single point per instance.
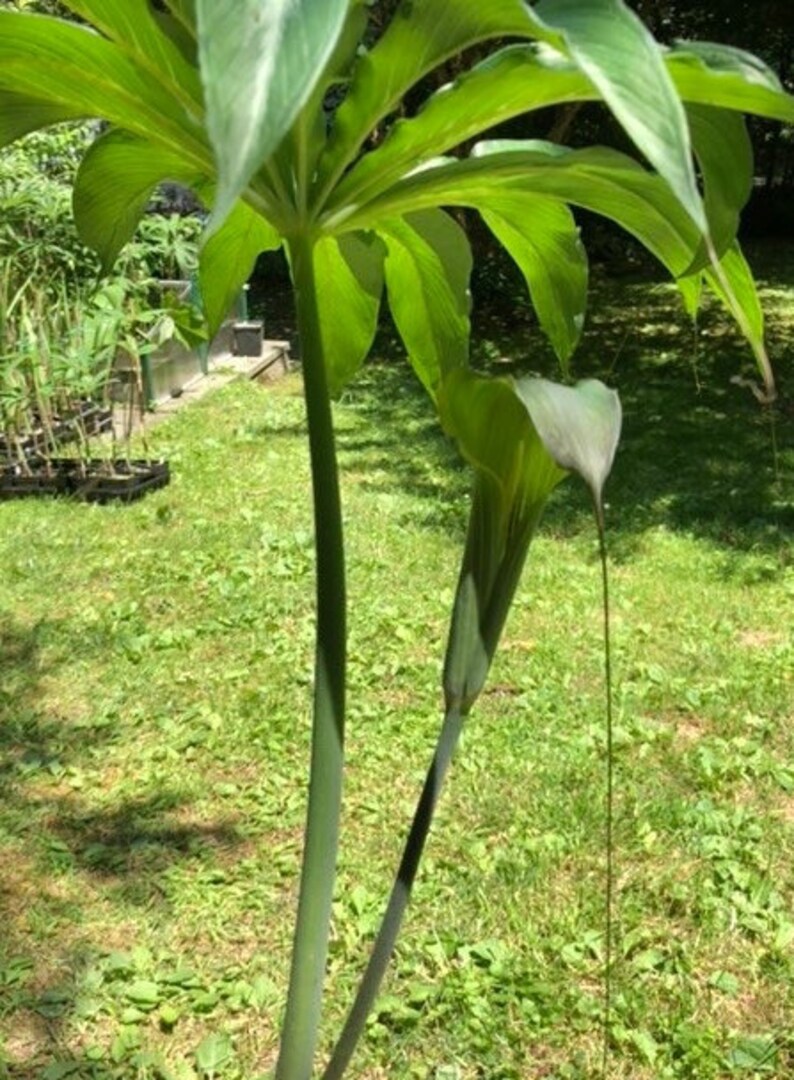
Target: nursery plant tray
(96, 420)
(126, 482)
(15, 483)
(93, 481)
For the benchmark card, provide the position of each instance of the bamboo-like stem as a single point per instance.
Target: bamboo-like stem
(400, 895)
(302, 1019)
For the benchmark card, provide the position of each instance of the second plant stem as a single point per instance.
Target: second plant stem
(400, 895)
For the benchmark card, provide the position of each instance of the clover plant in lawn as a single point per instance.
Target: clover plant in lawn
(229, 97)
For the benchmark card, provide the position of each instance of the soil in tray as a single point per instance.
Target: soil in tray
(97, 481)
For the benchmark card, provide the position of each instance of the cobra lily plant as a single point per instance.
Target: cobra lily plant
(232, 98)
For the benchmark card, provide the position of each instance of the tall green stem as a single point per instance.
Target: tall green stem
(400, 895)
(609, 905)
(302, 1019)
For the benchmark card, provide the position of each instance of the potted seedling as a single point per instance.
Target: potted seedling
(28, 470)
(104, 342)
(36, 370)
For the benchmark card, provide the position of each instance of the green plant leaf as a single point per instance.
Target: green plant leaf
(349, 275)
(617, 53)
(725, 155)
(753, 1053)
(428, 265)
(134, 27)
(184, 11)
(733, 282)
(520, 78)
(579, 426)
(743, 288)
(604, 181)
(113, 187)
(421, 35)
(725, 982)
(71, 66)
(513, 80)
(183, 39)
(144, 993)
(720, 75)
(212, 1053)
(691, 290)
(297, 155)
(514, 475)
(260, 60)
(227, 259)
(542, 237)
(20, 114)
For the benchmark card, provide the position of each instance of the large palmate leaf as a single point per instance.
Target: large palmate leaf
(49, 60)
(543, 238)
(113, 187)
(619, 55)
(422, 35)
(260, 60)
(348, 271)
(605, 181)
(428, 265)
(227, 260)
(520, 78)
(511, 81)
(134, 27)
(114, 184)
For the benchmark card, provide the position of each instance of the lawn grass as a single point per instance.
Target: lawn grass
(156, 663)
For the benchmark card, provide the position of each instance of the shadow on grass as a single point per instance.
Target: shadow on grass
(401, 446)
(53, 845)
(697, 453)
